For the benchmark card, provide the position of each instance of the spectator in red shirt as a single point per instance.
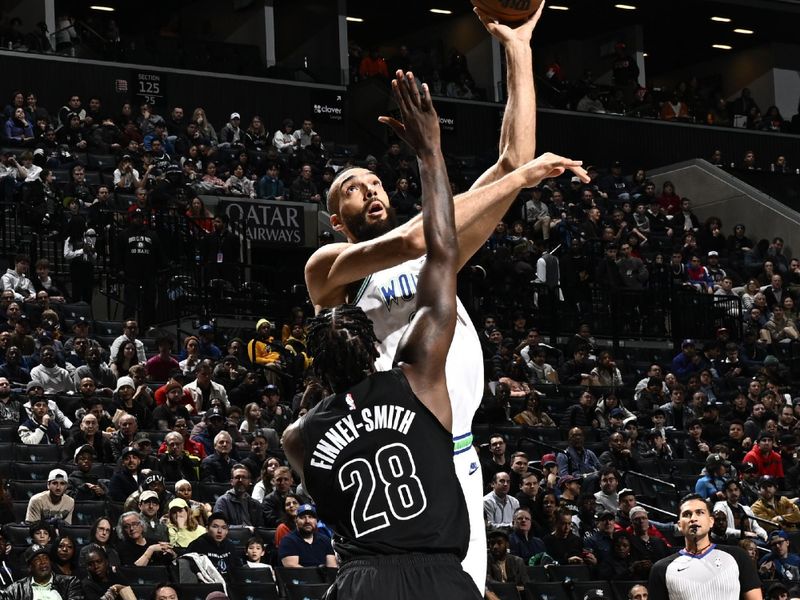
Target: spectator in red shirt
(373, 65)
(669, 200)
(162, 364)
(766, 460)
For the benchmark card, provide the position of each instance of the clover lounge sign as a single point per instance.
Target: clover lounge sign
(265, 222)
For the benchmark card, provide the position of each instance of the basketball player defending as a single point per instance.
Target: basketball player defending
(376, 454)
(388, 261)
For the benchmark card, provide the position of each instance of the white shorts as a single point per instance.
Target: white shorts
(468, 471)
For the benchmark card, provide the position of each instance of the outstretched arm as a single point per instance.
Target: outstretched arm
(518, 131)
(423, 348)
(334, 266)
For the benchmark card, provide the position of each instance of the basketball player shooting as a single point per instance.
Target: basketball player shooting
(377, 453)
(387, 260)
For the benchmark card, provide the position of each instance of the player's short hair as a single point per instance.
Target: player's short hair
(690, 498)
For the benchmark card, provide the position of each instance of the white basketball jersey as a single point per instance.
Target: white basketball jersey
(388, 297)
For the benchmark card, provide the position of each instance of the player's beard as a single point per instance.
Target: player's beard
(363, 231)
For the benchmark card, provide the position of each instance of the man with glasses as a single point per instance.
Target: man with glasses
(239, 509)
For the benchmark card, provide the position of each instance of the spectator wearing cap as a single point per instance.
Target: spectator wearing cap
(229, 373)
(149, 508)
(21, 336)
(216, 467)
(183, 527)
(763, 456)
(599, 541)
(217, 547)
(239, 508)
(126, 478)
(306, 546)
(207, 348)
(172, 408)
(176, 377)
(53, 503)
(687, 361)
(564, 546)
(569, 488)
(505, 567)
(41, 581)
(770, 506)
(781, 563)
(498, 506)
(130, 332)
(274, 413)
(231, 135)
(712, 484)
(739, 516)
(83, 483)
(39, 427)
(205, 392)
(647, 543)
(214, 421)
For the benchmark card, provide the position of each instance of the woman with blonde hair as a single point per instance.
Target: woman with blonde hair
(206, 128)
(182, 527)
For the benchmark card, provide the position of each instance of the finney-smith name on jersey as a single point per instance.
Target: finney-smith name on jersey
(351, 427)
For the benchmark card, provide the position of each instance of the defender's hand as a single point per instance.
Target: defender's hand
(420, 126)
(550, 165)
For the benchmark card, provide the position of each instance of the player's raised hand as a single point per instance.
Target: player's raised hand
(550, 165)
(420, 125)
(505, 34)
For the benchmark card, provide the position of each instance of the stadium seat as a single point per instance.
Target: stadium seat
(8, 433)
(257, 576)
(23, 490)
(20, 509)
(80, 533)
(537, 573)
(75, 310)
(143, 591)
(239, 536)
(197, 591)
(38, 453)
(539, 590)
(87, 511)
(504, 591)
(573, 572)
(209, 492)
(17, 535)
(254, 591)
(268, 535)
(150, 575)
(101, 162)
(108, 328)
(31, 471)
(305, 591)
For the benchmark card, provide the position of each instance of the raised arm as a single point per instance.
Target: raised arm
(423, 348)
(334, 266)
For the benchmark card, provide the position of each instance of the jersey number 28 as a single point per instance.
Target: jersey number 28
(402, 489)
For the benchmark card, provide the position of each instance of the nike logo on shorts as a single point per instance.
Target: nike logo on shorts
(473, 467)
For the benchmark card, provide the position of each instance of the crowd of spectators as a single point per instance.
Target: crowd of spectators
(167, 449)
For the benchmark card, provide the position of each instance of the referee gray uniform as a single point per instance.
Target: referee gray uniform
(720, 573)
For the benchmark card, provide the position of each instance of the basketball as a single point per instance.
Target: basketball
(508, 11)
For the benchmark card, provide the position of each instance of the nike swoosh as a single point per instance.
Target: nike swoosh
(473, 468)
(683, 569)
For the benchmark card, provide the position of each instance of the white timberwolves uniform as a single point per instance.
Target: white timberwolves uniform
(388, 297)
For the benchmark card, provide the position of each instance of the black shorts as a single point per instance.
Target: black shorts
(403, 577)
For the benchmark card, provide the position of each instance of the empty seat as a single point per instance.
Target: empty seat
(75, 310)
(537, 573)
(504, 591)
(101, 162)
(540, 590)
(87, 511)
(254, 591)
(37, 453)
(259, 576)
(573, 572)
(108, 328)
(150, 575)
(20, 509)
(8, 433)
(31, 471)
(22, 491)
(18, 535)
(305, 591)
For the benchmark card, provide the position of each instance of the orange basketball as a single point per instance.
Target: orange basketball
(508, 11)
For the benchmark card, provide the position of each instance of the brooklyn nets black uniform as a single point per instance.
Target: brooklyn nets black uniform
(380, 467)
(720, 573)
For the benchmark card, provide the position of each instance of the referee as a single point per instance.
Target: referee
(702, 570)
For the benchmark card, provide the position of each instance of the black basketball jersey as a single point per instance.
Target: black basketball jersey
(379, 466)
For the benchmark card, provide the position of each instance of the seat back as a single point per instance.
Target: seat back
(504, 591)
(306, 591)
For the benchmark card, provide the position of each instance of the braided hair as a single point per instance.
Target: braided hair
(342, 342)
